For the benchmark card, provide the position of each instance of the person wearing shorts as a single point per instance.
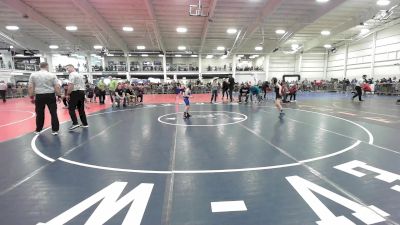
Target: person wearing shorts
(186, 95)
(278, 97)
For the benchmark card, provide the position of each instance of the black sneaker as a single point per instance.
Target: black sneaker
(73, 127)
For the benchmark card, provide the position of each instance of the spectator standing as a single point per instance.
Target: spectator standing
(214, 91)
(3, 90)
(231, 82)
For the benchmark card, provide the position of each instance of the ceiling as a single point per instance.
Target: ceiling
(42, 23)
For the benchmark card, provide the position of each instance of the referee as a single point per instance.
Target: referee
(76, 97)
(43, 88)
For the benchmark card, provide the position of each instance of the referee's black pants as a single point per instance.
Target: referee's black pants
(77, 101)
(358, 93)
(3, 95)
(41, 101)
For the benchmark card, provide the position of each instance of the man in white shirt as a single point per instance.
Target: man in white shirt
(3, 90)
(76, 97)
(358, 87)
(43, 88)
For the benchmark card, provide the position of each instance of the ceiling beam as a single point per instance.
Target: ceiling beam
(37, 17)
(23, 41)
(266, 11)
(152, 16)
(314, 16)
(207, 23)
(91, 12)
(352, 22)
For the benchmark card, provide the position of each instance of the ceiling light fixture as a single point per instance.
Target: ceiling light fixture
(178, 56)
(145, 55)
(325, 33)
(127, 29)
(160, 55)
(220, 48)
(258, 48)
(194, 56)
(12, 27)
(181, 29)
(280, 31)
(322, 1)
(140, 47)
(327, 46)
(71, 28)
(231, 31)
(364, 31)
(295, 46)
(209, 56)
(383, 2)
(181, 48)
(11, 47)
(97, 47)
(224, 57)
(53, 46)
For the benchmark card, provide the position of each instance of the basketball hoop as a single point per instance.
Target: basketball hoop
(198, 10)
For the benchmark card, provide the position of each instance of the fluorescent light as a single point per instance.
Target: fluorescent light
(110, 54)
(194, 56)
(160, 55)
(322, 1)
(97, 47)
(224, 57)
(220, 48)
(145, 55)
(240, 56)
(19, 55)
(127, 29)
(327, 46)
(53, 46)
(383, 2)
(71, 28)
(258, 48)
(140, 47)
(364, 31)
(325, 33)
(178, 55)
(12, 27)
(181, 29)
(280, 31)
(37, 55)
(181, 48)
(295, 46)
(11, 46)
(253, 56)
(231, 31)
(94, 55)
(209, 56)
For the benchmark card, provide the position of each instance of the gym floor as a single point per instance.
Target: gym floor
(330, 160)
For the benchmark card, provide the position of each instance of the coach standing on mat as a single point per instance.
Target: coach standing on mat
(43, 88)
(76, 97)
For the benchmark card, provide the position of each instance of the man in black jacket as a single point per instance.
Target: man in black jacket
(231, 82)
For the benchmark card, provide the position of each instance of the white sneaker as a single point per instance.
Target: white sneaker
(37, 132)
(84, 126)
(55, 133)
(73, 127)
